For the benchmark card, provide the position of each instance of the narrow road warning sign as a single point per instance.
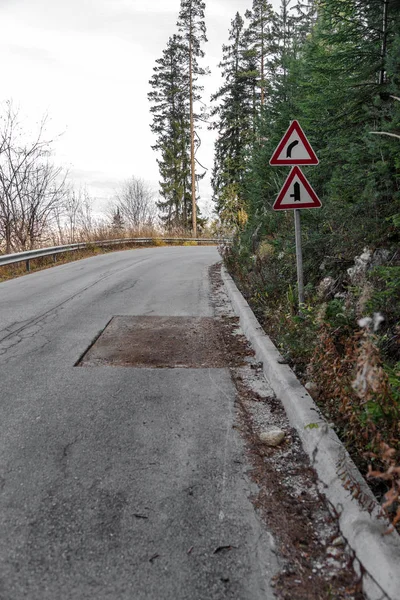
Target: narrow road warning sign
(296, 193)
(294, 148)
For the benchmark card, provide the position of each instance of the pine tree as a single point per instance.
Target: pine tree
(191, 25)
(349, 75)
(259, 38)
(117, 222)
(336, 65)
(285, 54)
(171, 125)
(234, 124)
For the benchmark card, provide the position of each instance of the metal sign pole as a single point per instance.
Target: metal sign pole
(299, 257)
(296, 192)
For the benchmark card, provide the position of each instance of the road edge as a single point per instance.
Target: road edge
(360, 520)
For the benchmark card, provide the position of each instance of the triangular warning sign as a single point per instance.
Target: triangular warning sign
(294, 148)
(296, 193)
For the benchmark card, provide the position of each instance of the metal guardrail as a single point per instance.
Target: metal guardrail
(9, 259)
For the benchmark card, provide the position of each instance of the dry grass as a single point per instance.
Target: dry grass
(19, 269)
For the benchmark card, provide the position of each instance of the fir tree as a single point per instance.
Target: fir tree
(171, 125)
(337, 72)
(259, 43)
(234, 124)
(117, 222)
(191, 25)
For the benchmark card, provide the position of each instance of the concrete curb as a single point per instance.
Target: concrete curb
(378, 555)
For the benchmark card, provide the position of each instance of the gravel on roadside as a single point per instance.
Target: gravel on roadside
(317, 562)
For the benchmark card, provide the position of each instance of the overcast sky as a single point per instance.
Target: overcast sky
(87, 64)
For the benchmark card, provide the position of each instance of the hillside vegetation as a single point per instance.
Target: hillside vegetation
(334, 65)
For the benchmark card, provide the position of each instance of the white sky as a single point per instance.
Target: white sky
(87, 64)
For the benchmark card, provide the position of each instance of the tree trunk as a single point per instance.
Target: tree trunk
(192, 158)
(262, 60)
(382, 73)
(8, 238)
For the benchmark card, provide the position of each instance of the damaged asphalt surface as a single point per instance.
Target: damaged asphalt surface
(120, 481)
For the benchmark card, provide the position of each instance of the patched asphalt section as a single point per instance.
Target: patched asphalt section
(158, 342)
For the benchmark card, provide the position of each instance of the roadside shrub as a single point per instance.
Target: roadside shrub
(385, 299)
(157, 242)
(358, 392)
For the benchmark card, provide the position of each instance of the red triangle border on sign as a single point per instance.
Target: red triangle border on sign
(312, 160)
(296, 172)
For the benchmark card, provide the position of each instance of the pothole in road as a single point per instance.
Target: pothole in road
(159, 342)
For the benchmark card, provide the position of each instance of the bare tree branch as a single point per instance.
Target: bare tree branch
(31, 187)
(395, 135)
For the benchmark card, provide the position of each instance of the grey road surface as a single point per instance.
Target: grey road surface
(119, 483)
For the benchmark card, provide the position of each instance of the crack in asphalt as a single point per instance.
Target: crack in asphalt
(14, 341)
(65, 455)
(20, 334)
(20, 338)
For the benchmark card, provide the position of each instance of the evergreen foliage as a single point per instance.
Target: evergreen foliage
(170, 110)
(234, 125)
(117, 222)
(175, 92)
(192, 27)
(259, 45)
(333, 65)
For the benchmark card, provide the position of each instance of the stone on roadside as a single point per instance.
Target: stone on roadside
(273, 437)
(334, 552)
(339, 541)
(313, 389)
(326, 288)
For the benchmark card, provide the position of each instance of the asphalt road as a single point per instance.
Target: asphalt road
(119, 483)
